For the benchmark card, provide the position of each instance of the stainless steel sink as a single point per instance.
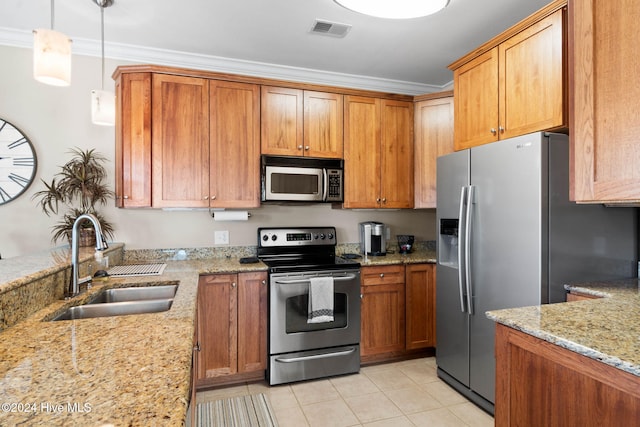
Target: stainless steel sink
(115, 309)
(135, 294)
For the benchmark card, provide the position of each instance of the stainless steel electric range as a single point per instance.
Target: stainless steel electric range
(300, 349)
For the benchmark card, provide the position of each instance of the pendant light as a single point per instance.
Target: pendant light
(103, 102)
(51, 56)
(394, 9)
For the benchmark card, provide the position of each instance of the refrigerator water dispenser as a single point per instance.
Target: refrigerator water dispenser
(448, 250)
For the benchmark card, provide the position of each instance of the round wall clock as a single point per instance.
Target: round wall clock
(17, 162)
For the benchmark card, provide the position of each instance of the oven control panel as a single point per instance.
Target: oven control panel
(307, 236)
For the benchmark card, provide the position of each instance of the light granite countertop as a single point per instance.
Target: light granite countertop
(606, 329)
(123, 370)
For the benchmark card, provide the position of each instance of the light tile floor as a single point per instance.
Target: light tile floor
(397, 394)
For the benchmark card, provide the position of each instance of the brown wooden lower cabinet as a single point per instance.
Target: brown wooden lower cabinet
(231, 327)
(541, 384)
(421, 305)
(398, 311)
(577, 296)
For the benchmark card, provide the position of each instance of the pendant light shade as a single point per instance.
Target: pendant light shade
(51, 57)
(395, 9)
(103, 102)
(103, 107)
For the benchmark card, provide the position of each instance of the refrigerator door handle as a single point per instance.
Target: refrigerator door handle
(461, 247)
(467, 246)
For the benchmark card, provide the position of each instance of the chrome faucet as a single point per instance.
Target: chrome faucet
(75, 282)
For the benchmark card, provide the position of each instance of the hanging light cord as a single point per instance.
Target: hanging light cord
(102, 42)
(52, 14)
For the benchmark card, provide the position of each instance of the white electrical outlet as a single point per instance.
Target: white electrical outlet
(221, 237)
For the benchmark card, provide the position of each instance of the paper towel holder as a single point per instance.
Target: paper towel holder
(213, 213)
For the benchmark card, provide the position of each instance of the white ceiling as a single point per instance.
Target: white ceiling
(271, 37)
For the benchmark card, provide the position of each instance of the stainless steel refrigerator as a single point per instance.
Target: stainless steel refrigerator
(507, 236)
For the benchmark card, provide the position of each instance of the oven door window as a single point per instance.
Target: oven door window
(297, 310)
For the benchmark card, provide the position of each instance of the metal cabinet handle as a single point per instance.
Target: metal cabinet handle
(384, 200)
(233, 284)
(306, 148)
(299, 147)
(378, 200)
(493, 131)
(501, 129)
(264, 282)
(381, 275)
(213, 197)
(125, 197)
(205, 198)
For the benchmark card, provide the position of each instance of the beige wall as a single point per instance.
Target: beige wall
(56, 119)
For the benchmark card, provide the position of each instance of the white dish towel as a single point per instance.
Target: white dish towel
(320, 300)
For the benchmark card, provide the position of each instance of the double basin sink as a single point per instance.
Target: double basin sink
(123, 301)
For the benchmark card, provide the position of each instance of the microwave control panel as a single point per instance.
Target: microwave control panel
(334, 185)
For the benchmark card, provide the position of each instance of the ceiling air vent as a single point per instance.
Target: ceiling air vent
(328, 28)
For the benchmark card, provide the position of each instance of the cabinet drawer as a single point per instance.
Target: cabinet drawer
(382, 275)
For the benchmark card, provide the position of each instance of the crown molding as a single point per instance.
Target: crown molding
(147, 55)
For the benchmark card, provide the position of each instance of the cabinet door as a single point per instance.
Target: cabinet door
(396, 147)
(180, 147)
(133, 140)
(605, 123)
(476, 101)
(433, 138)
(531, 70)
(252, 322)
(323, 124)
(281, 120)
(362, 152)
(234, 121)
(421, 305)
(217, 325)
(382, 310)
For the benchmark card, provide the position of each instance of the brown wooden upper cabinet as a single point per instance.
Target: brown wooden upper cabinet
(185, 141)
(515, 83)
(378, 153)
(298, 122)
(605, 123)
(133, 140)
(433, 138)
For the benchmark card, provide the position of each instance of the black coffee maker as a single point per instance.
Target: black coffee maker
(373, 240)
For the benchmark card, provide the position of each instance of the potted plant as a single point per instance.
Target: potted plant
(80, 187)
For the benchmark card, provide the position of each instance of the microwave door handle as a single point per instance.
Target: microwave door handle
(325, 185)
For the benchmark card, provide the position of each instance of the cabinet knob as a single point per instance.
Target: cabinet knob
(501, 129)
(233, 284)
(493, 131)
(264, 282)
(381, 275)
(299, 147)
(125, 197)
(213, 197)
(306, 148)
(384, 200)
(378, 200)
(205, 198)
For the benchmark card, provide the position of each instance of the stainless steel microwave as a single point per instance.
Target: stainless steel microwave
(301, 179)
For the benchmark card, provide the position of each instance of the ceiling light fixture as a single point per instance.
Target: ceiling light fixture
(394, 9)
(51, 56)
(103, 102)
